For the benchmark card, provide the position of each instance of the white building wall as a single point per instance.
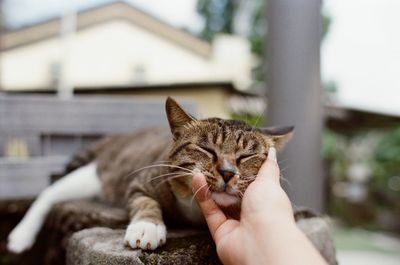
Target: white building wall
(118, 53)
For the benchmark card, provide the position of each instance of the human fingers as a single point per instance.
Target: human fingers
(270, 168)
(212, 213)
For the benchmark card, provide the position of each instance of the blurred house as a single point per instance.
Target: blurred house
(214, 99)
(347, 120)
(118, 46)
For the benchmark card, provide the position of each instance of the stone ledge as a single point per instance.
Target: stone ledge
(63, 220)
(104, 246)
(183, 247)
(318, 230)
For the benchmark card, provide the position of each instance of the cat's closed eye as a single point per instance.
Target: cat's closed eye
(207, 150)
(244, 158)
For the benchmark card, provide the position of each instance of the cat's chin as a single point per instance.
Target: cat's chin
(224, 199)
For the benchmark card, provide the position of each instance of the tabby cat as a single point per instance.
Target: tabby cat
(149, 172)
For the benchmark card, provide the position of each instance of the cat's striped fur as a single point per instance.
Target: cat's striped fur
(149, 172)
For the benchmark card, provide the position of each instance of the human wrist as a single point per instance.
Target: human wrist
(269, 221)
(263, 235)
(270, 226)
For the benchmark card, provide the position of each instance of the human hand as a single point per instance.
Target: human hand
(264, 206)
(266, 232)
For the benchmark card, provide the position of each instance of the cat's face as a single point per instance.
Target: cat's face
(229, 153)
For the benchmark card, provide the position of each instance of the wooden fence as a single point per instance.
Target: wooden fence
(39, 133)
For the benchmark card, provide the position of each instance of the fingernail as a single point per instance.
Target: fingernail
(272, 154)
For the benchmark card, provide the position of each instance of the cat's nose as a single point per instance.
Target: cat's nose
(226, 170)
(227, 174)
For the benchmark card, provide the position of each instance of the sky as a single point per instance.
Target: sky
(180, 13)
(360, 54)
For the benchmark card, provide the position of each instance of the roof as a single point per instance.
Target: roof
(100, 14)
(225, 85)
(348, 119)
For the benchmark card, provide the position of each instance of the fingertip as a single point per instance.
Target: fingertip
(270, 166)
(272, 154)
(198, 180)
(199, 187)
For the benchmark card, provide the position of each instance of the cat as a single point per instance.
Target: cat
(149, 172)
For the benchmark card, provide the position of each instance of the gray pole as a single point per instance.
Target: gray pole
(1, 36)
(294, 95)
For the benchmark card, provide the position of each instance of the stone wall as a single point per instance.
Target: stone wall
(91, 232)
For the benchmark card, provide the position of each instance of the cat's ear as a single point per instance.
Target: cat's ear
(280, 135)
(177, 116)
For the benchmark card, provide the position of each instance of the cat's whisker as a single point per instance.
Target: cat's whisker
(258, 119)
(175, 166)
(197, 191)
(251, 178)
(158, 165)
(287, 182)
(207, 191)
(284, 169)
(240, 195)
(282, 162)
(175, 177)
(191, 203)
(255, 125)
(167, 174)
(161, 161)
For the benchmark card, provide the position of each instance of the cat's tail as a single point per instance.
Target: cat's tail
(80, 159)
(87, 155)
(82, 183)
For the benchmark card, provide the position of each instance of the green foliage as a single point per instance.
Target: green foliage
(218, 16)
(386, 163)
(333, 151)
(253, 119)
(329, 148)
(383, 185)
(258, 32)
(257, 39)
(389, 148)
(330, 87)
(326, 23)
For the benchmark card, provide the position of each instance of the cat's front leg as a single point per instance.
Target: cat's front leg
(146, 229)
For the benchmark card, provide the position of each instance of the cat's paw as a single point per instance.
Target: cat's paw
(20, 239)
(145, 235)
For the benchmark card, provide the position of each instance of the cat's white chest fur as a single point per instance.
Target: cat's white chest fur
(191, 210)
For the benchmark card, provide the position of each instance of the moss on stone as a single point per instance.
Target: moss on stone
(195, 249)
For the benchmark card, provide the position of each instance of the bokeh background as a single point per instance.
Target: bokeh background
(213, 53)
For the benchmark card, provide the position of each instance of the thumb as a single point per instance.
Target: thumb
(199, 187)
(269, 169)
(212, 213)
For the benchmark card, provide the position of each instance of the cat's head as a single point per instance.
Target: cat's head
(228, 152)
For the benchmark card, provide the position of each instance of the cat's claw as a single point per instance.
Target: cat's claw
(145, 235)
(20, 240)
